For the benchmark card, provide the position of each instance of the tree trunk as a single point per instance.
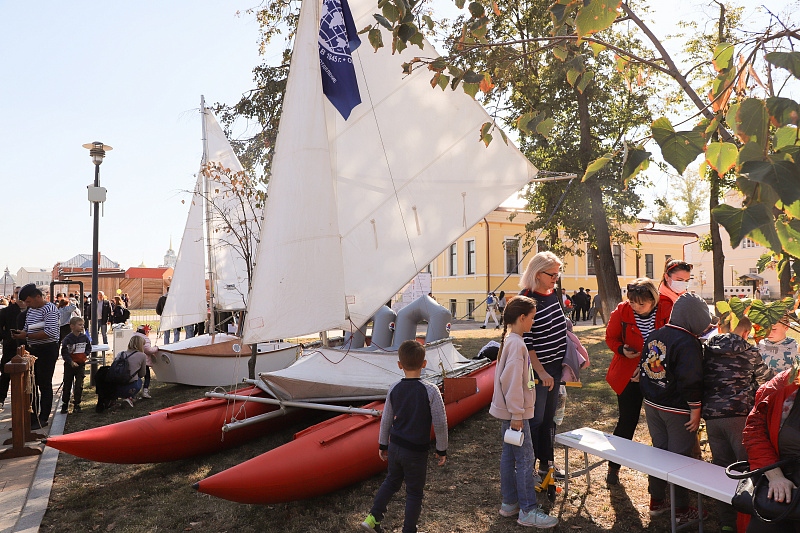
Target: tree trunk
(604, 268)
(717, 256)
(786, 277)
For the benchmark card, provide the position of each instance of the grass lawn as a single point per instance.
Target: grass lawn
(462, 496)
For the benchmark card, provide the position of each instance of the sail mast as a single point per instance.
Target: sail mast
(208, 218)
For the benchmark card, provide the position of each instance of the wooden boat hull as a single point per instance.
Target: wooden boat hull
(326, 457)
(217, 364)
(178, 432)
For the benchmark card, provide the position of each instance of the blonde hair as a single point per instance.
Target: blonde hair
(539, 263)
(136, 343)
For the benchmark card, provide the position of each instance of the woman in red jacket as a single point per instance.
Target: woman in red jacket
(628, 327)
(772, 432)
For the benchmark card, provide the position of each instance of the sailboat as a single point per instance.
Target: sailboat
(216, 358)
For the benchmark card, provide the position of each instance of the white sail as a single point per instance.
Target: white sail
(356, 208)
(186, 301)
(228, 265)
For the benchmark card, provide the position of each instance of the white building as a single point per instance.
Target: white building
(7, 283)
(740, 275)
(170, 258)
(41, 277)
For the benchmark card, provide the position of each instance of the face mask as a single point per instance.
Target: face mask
(679, 286)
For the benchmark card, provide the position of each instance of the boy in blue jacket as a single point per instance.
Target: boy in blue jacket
(75, 349)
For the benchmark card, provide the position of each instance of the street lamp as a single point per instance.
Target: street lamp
(97, 194)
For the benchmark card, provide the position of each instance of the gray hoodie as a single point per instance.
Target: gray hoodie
(691, 313)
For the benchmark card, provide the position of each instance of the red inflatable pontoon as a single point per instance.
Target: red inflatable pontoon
(326, 457)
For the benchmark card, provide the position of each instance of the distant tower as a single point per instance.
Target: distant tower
(170, 258)
(7, 283)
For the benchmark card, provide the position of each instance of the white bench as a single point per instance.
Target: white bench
(702, 477)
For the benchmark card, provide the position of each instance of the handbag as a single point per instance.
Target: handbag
(751, 491)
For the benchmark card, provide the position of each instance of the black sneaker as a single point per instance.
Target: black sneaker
(612, 478)
(64, 409)
(76, 408)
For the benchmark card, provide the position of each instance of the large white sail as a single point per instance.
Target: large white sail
(228, 265)
(186, 302)
(356, 208)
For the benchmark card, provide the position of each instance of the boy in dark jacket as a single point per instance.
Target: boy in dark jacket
(75, 349)
(671, 382)
(732, 372)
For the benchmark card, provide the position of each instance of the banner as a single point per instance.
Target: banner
(338, 38)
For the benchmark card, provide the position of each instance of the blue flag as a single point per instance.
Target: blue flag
(337, 40)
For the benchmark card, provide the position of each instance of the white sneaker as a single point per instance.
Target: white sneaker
(536, 518)
(146, 393)
(128, 402)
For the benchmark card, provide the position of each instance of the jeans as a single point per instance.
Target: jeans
(189, 331)
(43, 368)
(412, 467)
(542, 424)
(73, 384)
(630, 407)
(517, 483)
(177, 332)
(129, 390)
(104, 332)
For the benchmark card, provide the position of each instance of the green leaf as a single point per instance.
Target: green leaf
(416, 39)
(723, 56)
(544, 127)
(391, 12)
(471, 76)
(783, 176)
(751, 151)
(785, 136)
(739, 306)
(757, 192)
(476, 10)
(752, 120)
(721, 156)
(471, 88)
(730, 118)
(788, 60)
(560, 52)
(597, 48)
(383, 21)
(428, 22)
(375, 39)
(793, 209)
(596, 15)
(638, 160)
(402, 8)
(765, 316)
(406, 31)
(783, 111)
(572, 76)
(767, 236)
(597, 165)
(503, 135)
(712, 125)
(723, 307)
(479, 28)
(454, 71)
(677, 148)
(789, 234)
(763, 261)
(722, 82)
(740, 222)
(585, 79)
(559, 11)
(460, 4)
(444, 81)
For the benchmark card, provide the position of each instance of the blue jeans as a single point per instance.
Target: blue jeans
(177, 335)
(542, 424)
(412, 467)
(129, 390)
(189, 331)
(517, 483)
(104, 332)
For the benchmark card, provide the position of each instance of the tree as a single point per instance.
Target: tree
(690, 190)
(665, 211)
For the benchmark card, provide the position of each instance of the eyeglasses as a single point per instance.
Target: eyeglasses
(553, 276)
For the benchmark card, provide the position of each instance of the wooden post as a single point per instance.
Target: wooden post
(19, 371)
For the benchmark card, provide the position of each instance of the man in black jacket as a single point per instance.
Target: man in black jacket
(8, 322)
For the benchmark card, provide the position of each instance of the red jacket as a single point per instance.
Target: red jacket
(622, 330)
(760, 435)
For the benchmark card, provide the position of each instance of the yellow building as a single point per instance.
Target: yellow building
(491, 257)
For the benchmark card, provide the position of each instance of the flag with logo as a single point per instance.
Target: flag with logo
(338, 38)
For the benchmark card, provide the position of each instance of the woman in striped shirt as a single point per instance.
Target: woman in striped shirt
(628, 327)
(547, 345)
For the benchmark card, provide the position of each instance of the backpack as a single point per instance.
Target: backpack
(126, 314)
(119, 372)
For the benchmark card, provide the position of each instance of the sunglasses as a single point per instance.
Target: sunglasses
(638, 289)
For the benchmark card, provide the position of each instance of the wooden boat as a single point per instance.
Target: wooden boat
(178, 432)
(328, 456)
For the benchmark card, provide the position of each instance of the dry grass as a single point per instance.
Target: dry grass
(462, 496)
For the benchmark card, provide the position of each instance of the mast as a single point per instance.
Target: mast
(207, 194)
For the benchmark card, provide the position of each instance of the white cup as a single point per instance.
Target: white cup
(514, 437)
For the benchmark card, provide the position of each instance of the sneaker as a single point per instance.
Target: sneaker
(76, 409)
(536, 518)
(64, 409)
(688, 514)
(146, 393)
(483, 327)
(612, 478)
(127, 402)
(509, 509)
(371, 524)
(558, 474)
(658, 507)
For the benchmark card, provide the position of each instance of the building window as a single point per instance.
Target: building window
(617, 252)
(470, 249)
(590, 261)
(667, 258)
(453, 259)
(428, 269)
(748, 243)
(648, 265)
(754, 270)
(470, 308)
(453, 308)
(512, 256)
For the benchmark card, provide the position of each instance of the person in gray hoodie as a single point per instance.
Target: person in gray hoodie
(671, 382)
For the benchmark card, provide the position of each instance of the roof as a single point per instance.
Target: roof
(146, 273)
(85, 261)
(34, 269)
(751, 276)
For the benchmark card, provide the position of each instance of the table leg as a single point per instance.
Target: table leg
(672, 517)
(586, 465)
(700, 511)
(566, 471)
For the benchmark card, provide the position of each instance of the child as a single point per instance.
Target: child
(513, 401)
(149, 351)
(671, 381)
(778, 350)
(75, 348)
(732, 371)
(411, 406)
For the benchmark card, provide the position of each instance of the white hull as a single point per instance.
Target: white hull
(342, 373)
(207, 362)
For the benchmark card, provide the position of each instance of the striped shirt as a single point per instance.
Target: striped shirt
(548, 335)
(45, 318)
(646, 324)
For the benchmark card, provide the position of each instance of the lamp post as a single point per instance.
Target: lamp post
(97, 194)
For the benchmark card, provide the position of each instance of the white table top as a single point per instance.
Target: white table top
(100, 347)
(705, 478)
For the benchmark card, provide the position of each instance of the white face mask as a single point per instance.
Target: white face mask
(678, 286)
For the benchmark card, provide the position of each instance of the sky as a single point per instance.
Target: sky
(130, 74)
